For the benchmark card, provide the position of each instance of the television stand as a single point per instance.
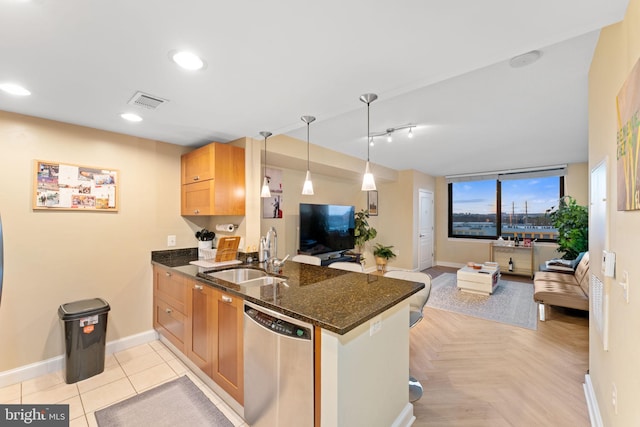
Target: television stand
(342, 258)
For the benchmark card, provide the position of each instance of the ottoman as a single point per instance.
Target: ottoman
(482, 281)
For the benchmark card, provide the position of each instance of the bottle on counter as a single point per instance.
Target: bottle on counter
(262, 250)
(510, 264)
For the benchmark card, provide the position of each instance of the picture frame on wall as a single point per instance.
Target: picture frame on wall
(372, 202)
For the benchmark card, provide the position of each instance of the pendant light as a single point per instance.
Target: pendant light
(265, 192)
(368, 183)
(307, 188)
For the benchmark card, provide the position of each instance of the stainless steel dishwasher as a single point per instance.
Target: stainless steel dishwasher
(278, 369)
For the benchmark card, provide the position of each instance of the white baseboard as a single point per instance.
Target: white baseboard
(592, 403)
(405, 418)
(56, 363)
(449, 264)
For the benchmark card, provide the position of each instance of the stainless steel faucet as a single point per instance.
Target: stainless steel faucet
(272, 243)
(274, 265)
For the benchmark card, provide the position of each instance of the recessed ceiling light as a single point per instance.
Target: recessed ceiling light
(525, 59)
(131, 117)
(14, 89)
(187, 60)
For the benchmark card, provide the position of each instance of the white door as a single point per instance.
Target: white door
(425, 230)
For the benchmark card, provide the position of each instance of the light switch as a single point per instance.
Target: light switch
(609, 263)
(625, 286)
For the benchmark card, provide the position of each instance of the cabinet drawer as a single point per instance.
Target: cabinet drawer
(170, 322)
(171, 288)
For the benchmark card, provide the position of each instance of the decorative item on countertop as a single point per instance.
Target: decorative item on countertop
(205, 243)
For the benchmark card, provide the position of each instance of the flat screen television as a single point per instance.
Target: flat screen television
(326, 228)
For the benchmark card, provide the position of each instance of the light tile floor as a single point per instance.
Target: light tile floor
(126, 373)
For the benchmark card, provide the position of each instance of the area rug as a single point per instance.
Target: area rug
(511, 302)
(176, 403)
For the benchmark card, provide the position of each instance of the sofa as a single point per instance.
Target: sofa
(562, 289)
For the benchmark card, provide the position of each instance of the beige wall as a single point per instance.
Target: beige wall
(617, 52)
(56, 257)
(456, 252)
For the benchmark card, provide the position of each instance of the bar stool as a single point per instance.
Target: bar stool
(417, 302)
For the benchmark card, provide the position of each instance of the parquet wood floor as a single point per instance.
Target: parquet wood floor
(481, 373)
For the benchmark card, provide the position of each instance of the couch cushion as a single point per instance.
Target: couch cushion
(560, 294)
(583, 268)
(553, 276)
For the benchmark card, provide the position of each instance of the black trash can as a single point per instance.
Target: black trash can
(85, 334)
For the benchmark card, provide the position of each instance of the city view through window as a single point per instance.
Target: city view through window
(524, 208)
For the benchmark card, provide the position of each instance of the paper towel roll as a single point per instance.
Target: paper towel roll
(225, 227)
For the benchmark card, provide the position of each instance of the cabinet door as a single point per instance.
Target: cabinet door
(198, 198)
(198, 165)
(228, 368)
(230, 181)
(200, 347)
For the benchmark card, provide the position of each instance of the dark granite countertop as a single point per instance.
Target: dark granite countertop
(335, 300)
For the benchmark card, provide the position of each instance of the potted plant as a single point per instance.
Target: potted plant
(363, 232)
(383, 254)
(572, 222)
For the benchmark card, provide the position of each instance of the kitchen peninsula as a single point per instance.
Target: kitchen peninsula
(361, 334)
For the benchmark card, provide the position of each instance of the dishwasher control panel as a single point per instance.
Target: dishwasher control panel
(276, 325)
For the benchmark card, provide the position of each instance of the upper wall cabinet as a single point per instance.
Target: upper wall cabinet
(213, 181)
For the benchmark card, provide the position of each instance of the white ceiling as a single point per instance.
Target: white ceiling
(440, 64)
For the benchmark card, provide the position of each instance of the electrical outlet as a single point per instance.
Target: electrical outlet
(614, 398)
(375, 325)
(171, 240)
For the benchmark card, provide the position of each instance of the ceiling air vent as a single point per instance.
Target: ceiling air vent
(147, 101)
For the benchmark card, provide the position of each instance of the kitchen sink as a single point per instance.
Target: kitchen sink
(262, 281)
(239, 275)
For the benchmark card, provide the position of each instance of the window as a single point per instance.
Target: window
(525, 200)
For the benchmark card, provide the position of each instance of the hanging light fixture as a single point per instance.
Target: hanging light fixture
(368, 183)
(307, 188)
(388, 133)
(265, 192)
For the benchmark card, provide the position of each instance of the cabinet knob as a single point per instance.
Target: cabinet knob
(167, 274)
(195, 178)
(168, 310)
(199, 287)
(197, 211)
(226, 299)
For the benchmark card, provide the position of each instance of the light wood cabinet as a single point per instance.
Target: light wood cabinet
(170, 306)
(200, 348)
(205, 324)
(228, 348)
(522, 257)
(213, 181)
